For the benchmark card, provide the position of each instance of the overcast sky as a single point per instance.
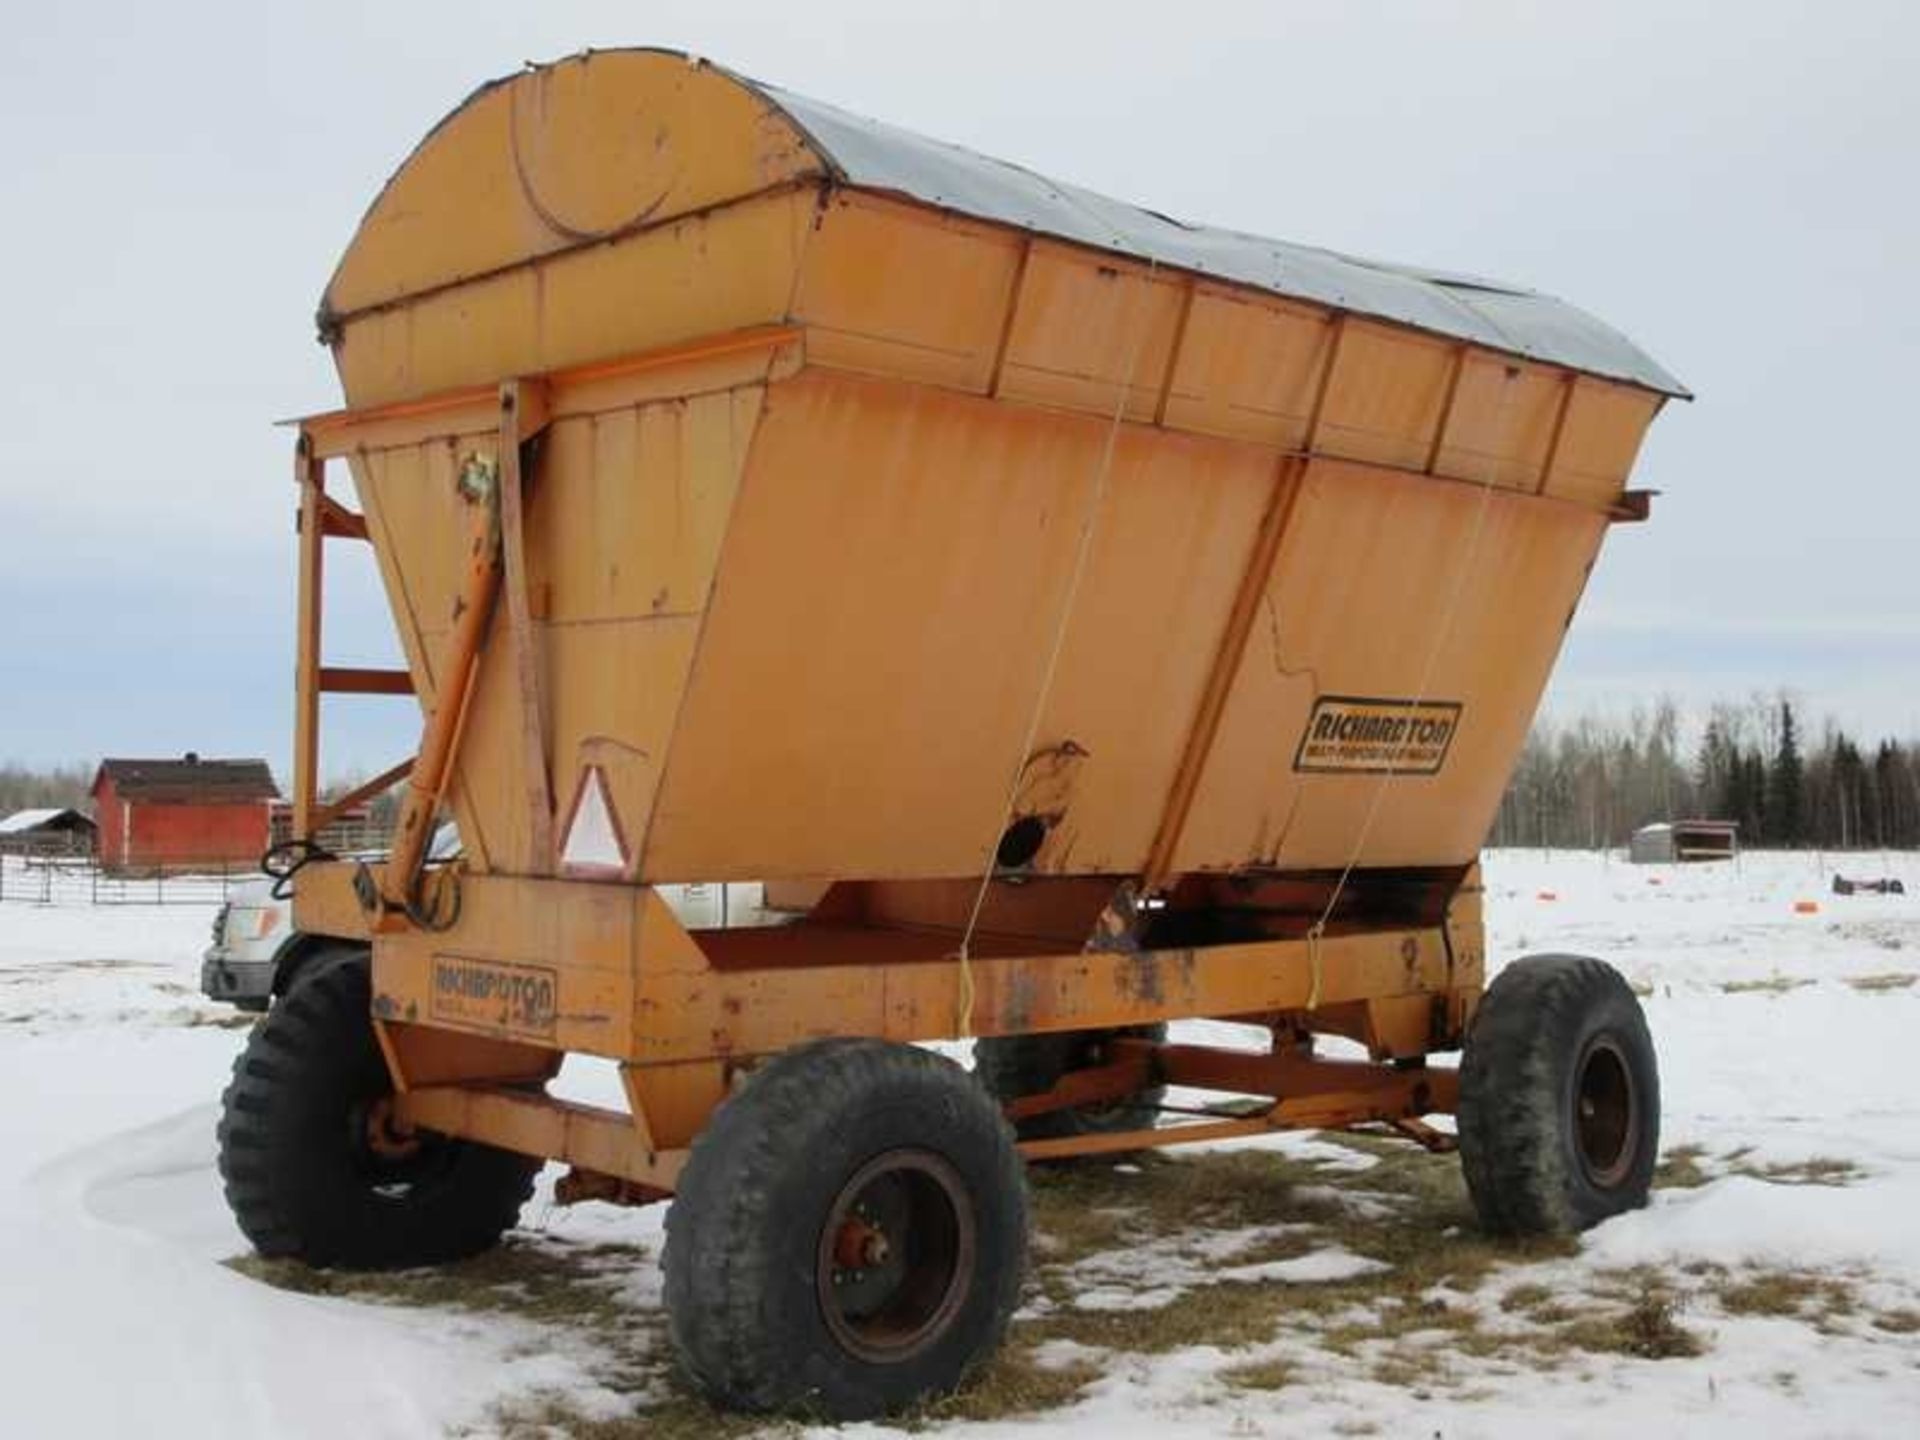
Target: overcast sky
(1733, 185)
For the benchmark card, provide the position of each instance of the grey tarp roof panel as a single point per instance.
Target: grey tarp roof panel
(870, 155)
(873, 156)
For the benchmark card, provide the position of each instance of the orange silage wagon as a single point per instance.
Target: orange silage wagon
(1115, 621)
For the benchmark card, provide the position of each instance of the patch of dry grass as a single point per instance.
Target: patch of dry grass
(1681, 1168)
(1401, 1323)
(1536, 1303)
(1880, 984)
(1820, 1170)
(539, 1281)
(1786, 1293)
(210, 1019)
(1271, 1374)
(1647, 1325)
(1687, 1167)
(1652, 1330)
(1013, 1383)
(1772, 985)
(1525, 1297)
(680, 1416)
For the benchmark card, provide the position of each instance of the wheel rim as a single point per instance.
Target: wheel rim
(1606, 1112)
(895, 1258)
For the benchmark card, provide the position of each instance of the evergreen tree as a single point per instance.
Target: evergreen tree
(1849, 797)
(1786, 783)
(1896, 812)
(1713, 771)
(1752, 809)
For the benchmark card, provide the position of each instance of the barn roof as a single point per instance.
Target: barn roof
(190, 780)
(54, 817)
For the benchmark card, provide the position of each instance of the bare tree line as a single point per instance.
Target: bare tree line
(24, 787)
(1583, 783)
(1589, 782)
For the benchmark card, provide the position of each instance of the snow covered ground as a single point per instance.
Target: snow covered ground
(1784, 1245)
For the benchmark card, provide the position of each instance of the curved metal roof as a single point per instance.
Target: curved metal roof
(873, 156)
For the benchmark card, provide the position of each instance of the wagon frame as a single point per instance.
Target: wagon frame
(723, 999)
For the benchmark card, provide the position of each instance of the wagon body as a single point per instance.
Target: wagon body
(834, 411)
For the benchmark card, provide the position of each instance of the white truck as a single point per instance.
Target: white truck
(256, 951)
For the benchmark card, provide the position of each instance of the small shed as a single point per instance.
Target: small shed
(1682, 841)
(156, 814)
(52, 831)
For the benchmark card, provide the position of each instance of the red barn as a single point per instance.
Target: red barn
(156, 814)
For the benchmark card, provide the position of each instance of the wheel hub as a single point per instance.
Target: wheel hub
(895, 1257)
(392, 1159)
(387, 1135)
(1606, 1112)
(859, 1245)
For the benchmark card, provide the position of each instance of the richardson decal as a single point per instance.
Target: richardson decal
(520, 998)
(1369, 735)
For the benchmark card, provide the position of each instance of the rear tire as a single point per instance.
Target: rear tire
(1010, 1066)
(848, 1236)
(1559, 1098)
(312, 1173)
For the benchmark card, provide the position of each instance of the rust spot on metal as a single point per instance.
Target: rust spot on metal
(1140, 977)
(577, 1185)
(1017, 1009)
(1118, 928)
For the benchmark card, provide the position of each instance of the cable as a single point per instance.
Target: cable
(1317, 931)
(282, 861)
(1088, 524)
(433, 920)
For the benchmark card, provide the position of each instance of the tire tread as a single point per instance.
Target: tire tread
(1512, 1125)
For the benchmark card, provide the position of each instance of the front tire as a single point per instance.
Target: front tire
(848, 1236)
(314, 1169)
(1559, 1098)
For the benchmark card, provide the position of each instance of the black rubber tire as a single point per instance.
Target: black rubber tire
(1010, 1066)
(1558, 1038)
(300, 1178)
(745, 1231)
